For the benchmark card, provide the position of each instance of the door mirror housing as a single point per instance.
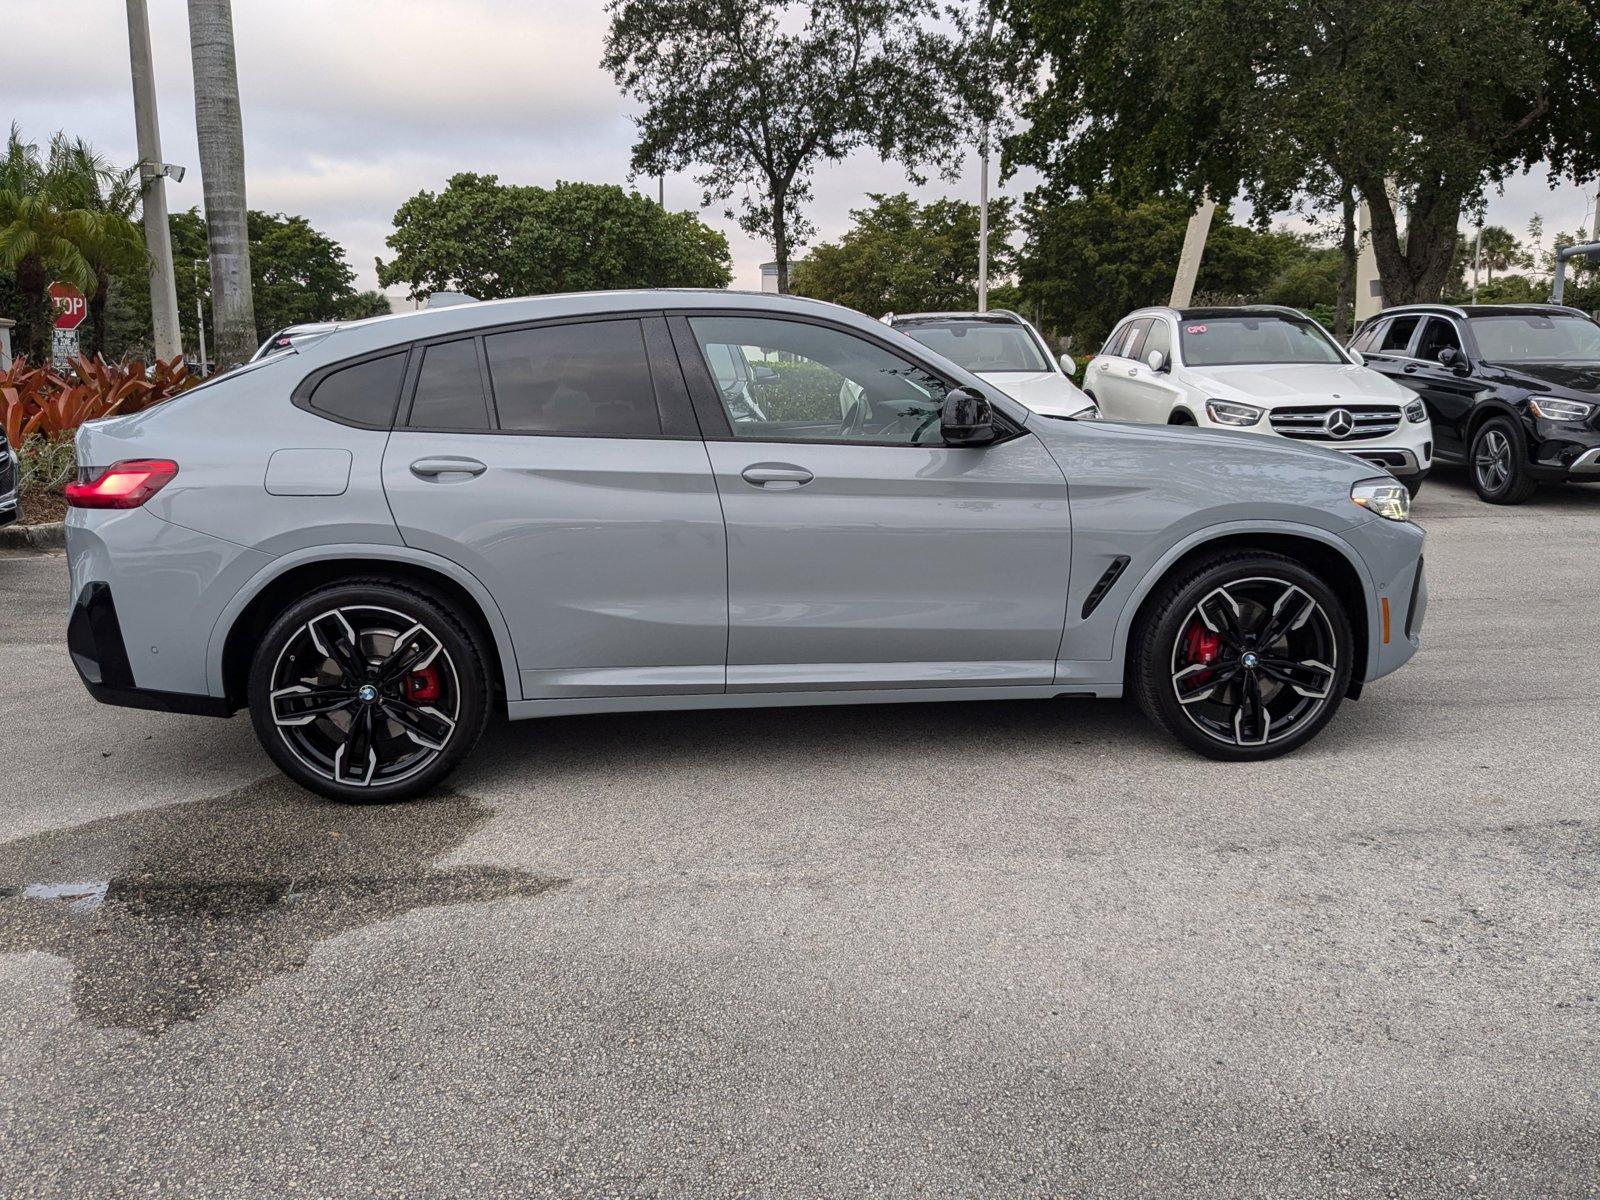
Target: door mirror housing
(1454, 361)
(1157, 361)
(1068, 364)
(763, 373)
(967, 418)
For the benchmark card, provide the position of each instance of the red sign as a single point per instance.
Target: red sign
(71, 308)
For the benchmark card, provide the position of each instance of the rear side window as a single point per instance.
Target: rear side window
(450, 388)
(590, 378)
(1134, 346)
(364, 393)
(1367, 336)
(1398, 336)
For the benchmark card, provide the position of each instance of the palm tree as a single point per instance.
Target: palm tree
(39, 240)
(221, 135)
(106, 232)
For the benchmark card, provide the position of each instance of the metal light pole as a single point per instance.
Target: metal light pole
(200, 318)
(983, 192)
(1477, 258)
(167, 338)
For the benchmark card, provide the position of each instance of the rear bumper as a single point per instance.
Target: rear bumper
(94, 640)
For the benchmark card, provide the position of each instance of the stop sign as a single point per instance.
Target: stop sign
(70, 306)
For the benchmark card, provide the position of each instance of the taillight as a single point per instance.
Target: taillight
(126, 484)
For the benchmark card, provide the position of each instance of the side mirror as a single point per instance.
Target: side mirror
(967, 419)
(1157, 361)
(763, 373)
(1068, 364)
(1454, 361)
(1361, 359)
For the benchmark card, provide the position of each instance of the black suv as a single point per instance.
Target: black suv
(1513, 389)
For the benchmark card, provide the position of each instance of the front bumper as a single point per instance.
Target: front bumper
(1564, 451)
(1392, 552)
(8, 485)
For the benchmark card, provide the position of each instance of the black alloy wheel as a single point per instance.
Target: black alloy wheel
(368, 692)
(1499, 474)
(1245, 658)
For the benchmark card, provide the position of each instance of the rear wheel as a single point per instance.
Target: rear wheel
(368, 692)
(1246, 657)
(1499, 470)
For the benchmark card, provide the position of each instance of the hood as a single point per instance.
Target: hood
(1298, 383)
(1581, 379)
(1046, 392)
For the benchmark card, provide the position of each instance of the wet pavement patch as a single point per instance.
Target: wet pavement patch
(164, 914)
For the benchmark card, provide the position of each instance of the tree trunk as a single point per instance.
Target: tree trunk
(221, 135)
(1344, 303)
(1417, 269)
(780, 239)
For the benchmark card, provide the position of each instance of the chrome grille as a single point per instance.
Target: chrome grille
(1310, 422)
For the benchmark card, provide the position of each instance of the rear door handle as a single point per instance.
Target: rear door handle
(432, 468)
(1411, 368)
(777, 476)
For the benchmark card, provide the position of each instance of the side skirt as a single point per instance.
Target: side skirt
(521, 710)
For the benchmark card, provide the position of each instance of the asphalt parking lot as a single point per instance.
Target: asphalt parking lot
(1014, 949)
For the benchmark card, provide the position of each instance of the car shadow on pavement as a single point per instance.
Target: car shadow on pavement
(165, 913)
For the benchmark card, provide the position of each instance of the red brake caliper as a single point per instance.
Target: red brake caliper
(1201, 646)
(423, 685)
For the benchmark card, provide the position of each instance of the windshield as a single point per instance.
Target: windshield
(981, 345)
(1229, 341)
(1533, 338)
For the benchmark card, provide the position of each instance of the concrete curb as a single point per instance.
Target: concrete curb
(52, 535)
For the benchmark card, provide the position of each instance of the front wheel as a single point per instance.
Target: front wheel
(368, 691)
(1244, 658)
(1499, 472)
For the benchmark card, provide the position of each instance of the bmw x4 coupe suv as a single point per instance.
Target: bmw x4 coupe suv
(1001, 347)
(1513, 389)
(1262, 368)
(558, 505)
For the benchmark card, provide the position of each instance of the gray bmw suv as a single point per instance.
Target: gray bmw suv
(669, 500)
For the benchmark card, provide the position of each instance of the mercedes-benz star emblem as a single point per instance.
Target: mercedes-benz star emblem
(1339, 423)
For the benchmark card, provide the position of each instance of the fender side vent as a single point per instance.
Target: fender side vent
(1103, 585)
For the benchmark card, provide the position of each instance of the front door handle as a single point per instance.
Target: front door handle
(432, 468)
(776, 476)
(1411, 368)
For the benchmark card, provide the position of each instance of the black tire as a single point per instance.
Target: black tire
(1498, 463)
(308, 691)
(1305, 690)
(1414, 484)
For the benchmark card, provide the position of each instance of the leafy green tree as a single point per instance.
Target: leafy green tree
(492, 240)
(1088, 261)
(1267, 99)
(903, 256)
(754, 94)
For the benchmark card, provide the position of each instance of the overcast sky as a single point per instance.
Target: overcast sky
(351, 106)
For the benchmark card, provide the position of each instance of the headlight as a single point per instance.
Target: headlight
(1384, 497)
(1560, 410)
(1092, 413)
(1225, 412)
(1416, 412)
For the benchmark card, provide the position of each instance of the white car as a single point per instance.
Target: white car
(1003, 349)
(1264, 369)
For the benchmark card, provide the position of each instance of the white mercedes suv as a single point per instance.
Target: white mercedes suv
(1264, 369)
(1001, 348)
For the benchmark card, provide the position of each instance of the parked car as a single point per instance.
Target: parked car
(1263, 368)
(1513, 389)
(549, 506)
(10, 478)
(1003, 348)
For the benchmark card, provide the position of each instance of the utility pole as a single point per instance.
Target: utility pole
(167, 339)
(1194, 248)
(661, 190)
(1477, 258)
(983, 190)
(200, 318)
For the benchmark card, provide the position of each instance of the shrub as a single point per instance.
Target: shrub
(803, 391)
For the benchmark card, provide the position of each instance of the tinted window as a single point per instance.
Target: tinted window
(981, 345)
(1537, 338)
(1438, 334)
(1364, 339)
(1398, 335)
(1159, 338)
(591, 378)
(365, 393)
(791, 380)
(1237, 340)
(450, 388)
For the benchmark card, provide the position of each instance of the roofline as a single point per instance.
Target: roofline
(1460, 310)
(994, 314)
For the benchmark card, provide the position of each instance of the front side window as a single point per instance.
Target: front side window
(449, 391)
(364, 393)
(788, 380)
(1397, 337)
(590, 378)
(1237, 340)
(1438, 335)
(1537, 338)
(1159, 338)
(981, 345)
